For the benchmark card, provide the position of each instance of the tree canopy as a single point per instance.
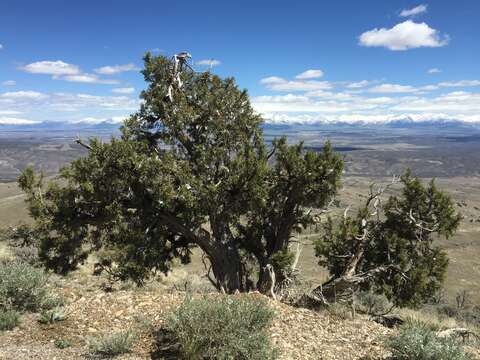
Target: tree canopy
(395, 238)
(191, 169)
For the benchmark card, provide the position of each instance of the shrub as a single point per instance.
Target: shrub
(22, 287)
(420, 343)
(52, 301)
(62, 343)
(27, 254)
(223, 327)
(373, 304)
(340, 311)
(113, 344)
(51, 316)
(9, 319)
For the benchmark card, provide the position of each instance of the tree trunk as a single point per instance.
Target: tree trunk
(226, 268)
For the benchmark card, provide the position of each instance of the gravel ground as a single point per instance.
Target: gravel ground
(298, 333)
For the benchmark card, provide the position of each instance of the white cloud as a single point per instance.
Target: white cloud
(51, 68)
(461, 83)
(428, 88)
(32, 95)
(208, 62)
(434, 71)
(279, 84)
(1, 46)
(116, 69)
(16, 121)
(9, 83)
(60, 106)
(359, 84)
(310, 74)
(403, 36)
(392, 88)
(9, 112)
(87, 78)
(414, 11)
(125, 90)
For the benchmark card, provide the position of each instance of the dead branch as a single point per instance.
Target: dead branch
(464, 333)
(80, 142)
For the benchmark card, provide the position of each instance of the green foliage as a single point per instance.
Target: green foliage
(189, 172)
(51, 301)
(113, 344)
(22, 287)
(373, 304)
(51, 316)
(224, 327)
(9, 319)
(420, 343)
(414, 267)
(62, 343)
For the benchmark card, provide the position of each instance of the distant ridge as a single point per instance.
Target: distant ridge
(113, 127)
(403, 124)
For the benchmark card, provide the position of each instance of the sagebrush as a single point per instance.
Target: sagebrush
(113, 344)
(9, 319)
(420, 343)
(225, 327)
(22, 286)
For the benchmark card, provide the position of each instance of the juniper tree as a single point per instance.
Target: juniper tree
(190, 169)
(390, 247)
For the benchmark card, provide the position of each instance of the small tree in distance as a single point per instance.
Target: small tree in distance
(190, 170)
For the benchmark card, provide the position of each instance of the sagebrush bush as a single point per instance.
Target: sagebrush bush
(113, 344)
(372, 303)
(224, 327)
(62, 343)
(9, 319)
(27, 254)
(22, 286)
(420, 343)
(51, 316)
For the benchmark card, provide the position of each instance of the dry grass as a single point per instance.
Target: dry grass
(428, 319)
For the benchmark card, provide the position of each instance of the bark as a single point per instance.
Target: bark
(226, 268)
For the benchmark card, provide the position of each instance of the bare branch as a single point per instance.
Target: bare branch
(80, 142)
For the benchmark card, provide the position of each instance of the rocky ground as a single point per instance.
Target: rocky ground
(298, 333)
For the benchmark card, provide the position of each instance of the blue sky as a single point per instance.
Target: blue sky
(303, 61)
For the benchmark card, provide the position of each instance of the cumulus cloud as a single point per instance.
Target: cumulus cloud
(87, 78)
(9, 83)
(310, 74)
(60, 70)
(125, 90)
(59, 106)
(276, 83)
(461, 83)
(57, 68)
(358, 84)
(404, 36)
(9, 112)
(208, 62)
(434, 71)
(16, 121)
(392, 88)
(14, 95)
(116, 69)
(414, 11)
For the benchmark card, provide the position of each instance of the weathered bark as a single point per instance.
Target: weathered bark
(343, 287)
(226, 267)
